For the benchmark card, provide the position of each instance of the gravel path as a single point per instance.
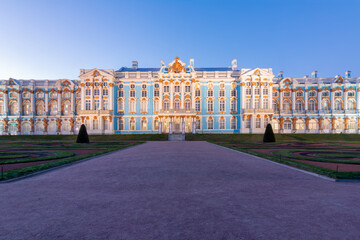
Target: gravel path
(178, 190)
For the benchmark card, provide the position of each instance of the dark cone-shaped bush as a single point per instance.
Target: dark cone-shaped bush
(82, 137)
(269, 134)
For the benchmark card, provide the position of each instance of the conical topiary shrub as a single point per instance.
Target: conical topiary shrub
(269, 134)
(82, 137)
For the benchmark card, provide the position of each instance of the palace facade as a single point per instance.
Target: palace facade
(180, 98)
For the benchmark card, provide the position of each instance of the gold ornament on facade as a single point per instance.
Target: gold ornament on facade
(177, 67)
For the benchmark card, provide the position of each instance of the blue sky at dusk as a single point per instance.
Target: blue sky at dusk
(42, 39)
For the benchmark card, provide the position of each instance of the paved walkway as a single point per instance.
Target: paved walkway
(178, 190)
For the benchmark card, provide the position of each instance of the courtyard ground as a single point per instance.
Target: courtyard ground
(178, 190)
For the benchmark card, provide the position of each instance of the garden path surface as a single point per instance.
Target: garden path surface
(178, 190)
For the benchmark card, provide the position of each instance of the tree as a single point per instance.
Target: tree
(82, 137)
(269, 134)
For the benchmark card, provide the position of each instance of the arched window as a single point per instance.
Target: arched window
(275, 124)
(156, 105)
(210, 93)
(299, 105)
(26, 107)
(222, 106)
(95, 124)
(40, 107)
(121, 124)
(248, 104)
(312, 105)
(52, 127)
(132, 108)
(300, 124)
(312, 124)
(106, 124)
(143, 107)
(177, 104)
(39, 127)
(338, 105)
(210, 123)
(53, 107)
(156, 124)
(351, 105)
(66, 107)
(132, 125)
(13, 108)
(287, 125)
(166, 105)
(233, 123)
(26, 128)
(222, 123)
(144, 125)
(210, 105)
(286, 106)
(65, 127)
(187, 104)
(325, 105)
(197, 106)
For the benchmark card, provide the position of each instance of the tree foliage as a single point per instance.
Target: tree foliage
(82, 137)
(269, 134)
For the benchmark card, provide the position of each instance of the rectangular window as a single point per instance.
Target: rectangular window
(132, 93)
(187, 89)
(222, 124)
(248, 91)
(222, 106)
(143, 107)
(266, 104)
(132, 107)
(95, 124)
(197, 106)
(97, 104)
(210, 106)
(88, 105)
(121, 93)
(248, 123)
(233, 123)
(156, 93)
(121, 106)
(106, 124)
(88, 92)
(156, 106)
(287, 94)
(265, 91)
(258, 123)
(105, 92)
(197, 93)
(233, 93)
(96, 92)
(210, 93)
(106, 105)
(222, 93)
(248, 104)
(144, 93)
(233, 106)
(166, 89)
(198, 124)
(177, 89)
(257, 91)
(257, 103)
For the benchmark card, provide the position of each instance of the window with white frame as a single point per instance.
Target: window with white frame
(198, 124)
(121, 93)
(210, 93)
(187, 89)
(132, 124)
(325, 94)
(312, 105)
(132, 93)
(96, 104)
(257, 103)
(233, 105)
(248, 123)
(265, 91)
(88, 104)
(210, 106)
(312, 93)
(248, 103)
(222, 106)
(143, 107)
(248, 91)
(299, 93)
(106, 124)
(222, 93)
(166, 105)
(88, 92)
(210, 123)
(144, 93)
(233, 123)
(95, 124)
(257, 91)
(105, 91)
(258, 123)
(266, 103)
(106, 104)
(187, 104)
(197, 106)
(132, 107)
(156, 93)
(156, 106)
(197, 93)
(233, 93)
(338, 94)
(351, 94)
(275, 93)
(287, 125)
(177, 104)
(120, 105)
(177, 89)
(96, 92)
(222, 123)
(287, 94)
(166, 89)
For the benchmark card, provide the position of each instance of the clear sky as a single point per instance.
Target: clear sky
(52, 39)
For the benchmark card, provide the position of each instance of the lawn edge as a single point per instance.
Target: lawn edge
(35, 173)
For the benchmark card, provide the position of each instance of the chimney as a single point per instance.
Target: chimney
(134, 65)
(234, 64)
(348, 74)
(280, 75)
(314, 74)
(306, 76)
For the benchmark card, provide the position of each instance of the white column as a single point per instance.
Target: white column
(101, 124)
(270, 96)
(20, 102)
(319, 100)
(261, 96)
(82, 96)
(6, 110)
(293, 99)
(243, 97)
(111, 97)
(101, 98)
(171, 95)
(32, 95)
(72, 110)
(160, 127)
(358, 100)
(161, 89)
(281, 101)
(171, 125)
(59, 103)
(252, 96)
(332, 99)
(92, 98)
(193, 95)
(306, 99)
(194, 125)
(46, 102)
(345, 100)
(182, 125)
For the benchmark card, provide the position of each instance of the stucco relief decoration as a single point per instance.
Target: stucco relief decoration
(46, 124)
(72, 121)
(6, 124)
(18, 122)
(58, 124)
(177, 67)
(32, 124)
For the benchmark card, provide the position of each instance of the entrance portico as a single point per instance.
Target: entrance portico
(177, 121)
